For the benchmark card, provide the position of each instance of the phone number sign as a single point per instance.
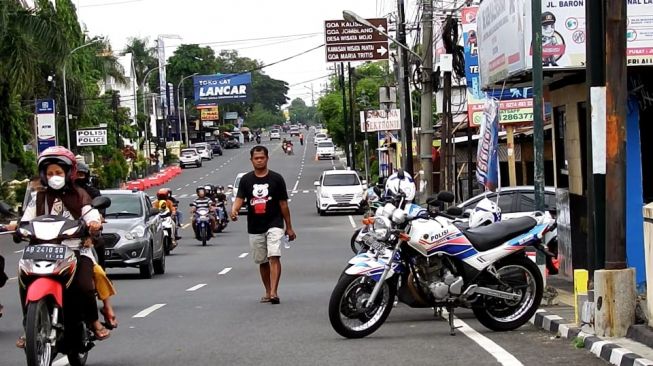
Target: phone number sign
(510, 112)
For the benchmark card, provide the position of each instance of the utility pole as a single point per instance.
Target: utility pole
(446, 173)
(344, 111)
(426, 113)
(595, 175)
(616, 101)
(404, 91)
(352, 148)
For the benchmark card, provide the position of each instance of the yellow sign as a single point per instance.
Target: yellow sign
(210, 114)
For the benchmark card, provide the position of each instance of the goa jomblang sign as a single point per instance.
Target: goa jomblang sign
(222, 88)
(92, 137)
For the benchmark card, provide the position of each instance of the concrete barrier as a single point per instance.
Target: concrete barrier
(648, 257)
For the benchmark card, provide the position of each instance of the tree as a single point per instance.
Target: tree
(144, 56)
(300, 112)
(261, 117)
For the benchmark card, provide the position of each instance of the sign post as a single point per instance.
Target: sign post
(92, 137)
(351, 41)
(46, 130)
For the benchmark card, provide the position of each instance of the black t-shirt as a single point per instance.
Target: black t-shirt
(262, 194)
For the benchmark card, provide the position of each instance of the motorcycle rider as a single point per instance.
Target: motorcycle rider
(205, 202)
(165, 203)
(3, 275)
(177, 213)
(57, 168)
(301, 138)
(220, 199)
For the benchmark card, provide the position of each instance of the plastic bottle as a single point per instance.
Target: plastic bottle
(286, 241)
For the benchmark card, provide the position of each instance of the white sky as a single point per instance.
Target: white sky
(204, 21)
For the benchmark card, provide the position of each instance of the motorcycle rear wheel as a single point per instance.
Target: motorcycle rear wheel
(523, 276)
(346, 306)
(38, 326)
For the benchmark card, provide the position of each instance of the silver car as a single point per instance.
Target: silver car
(190, 156)
(132, 234)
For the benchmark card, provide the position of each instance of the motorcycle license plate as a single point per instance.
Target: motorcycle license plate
(44, 252)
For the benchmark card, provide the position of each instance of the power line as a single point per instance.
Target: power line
(308, 81)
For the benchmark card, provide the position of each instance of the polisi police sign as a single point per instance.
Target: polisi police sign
(92, 137)
(211, 90)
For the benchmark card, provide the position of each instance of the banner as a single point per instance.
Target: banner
(487, 159)
(222, 88)
(210, 114)
(46, 128)
(95, 137)
(380, 120)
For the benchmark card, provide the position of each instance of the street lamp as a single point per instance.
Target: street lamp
(184, 101)
(350, 16)
(65, 95)
(147, 123)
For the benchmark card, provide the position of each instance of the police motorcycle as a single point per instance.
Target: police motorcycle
(46, 270)
(429, 260)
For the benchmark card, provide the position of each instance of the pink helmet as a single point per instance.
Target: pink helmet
(61, 156)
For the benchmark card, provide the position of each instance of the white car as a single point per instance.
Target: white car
(275, 134)
(340, 190)
(326, 150)
(190, 156)
(319, 137)
(234, 192)
(205, 150)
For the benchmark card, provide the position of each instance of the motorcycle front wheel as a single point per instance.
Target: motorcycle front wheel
(348, 313)
(38, 326)
(517, 274)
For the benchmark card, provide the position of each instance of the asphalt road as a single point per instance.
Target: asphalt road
(205, 309)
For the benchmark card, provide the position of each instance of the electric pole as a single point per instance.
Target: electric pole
(446, 158)
(344, 111)
(426, 117)
(538, 114)
(352, 148)
(406, 112)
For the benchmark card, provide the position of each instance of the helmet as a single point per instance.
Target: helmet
(486, 212)
(219, 188)
(83, 168)
(162, 194)
(548, 18)
(400, 182)
(200, 188)
(57, 155)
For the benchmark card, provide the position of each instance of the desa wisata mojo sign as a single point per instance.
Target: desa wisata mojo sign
(211, 90)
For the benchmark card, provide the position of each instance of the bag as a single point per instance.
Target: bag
(3, 275)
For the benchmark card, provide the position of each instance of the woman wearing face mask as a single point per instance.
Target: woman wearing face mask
(58, 169)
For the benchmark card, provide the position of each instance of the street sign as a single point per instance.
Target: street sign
(95, 137)
(380, 120)
(350, 41)
(46, 130)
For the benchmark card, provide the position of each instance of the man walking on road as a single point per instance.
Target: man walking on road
(267, 198)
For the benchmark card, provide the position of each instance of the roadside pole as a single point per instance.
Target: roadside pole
(352, 93)
(426, 113)
(344, 111)
(407, 115)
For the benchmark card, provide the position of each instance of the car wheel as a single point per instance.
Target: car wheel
(147, 268)
(160, 265)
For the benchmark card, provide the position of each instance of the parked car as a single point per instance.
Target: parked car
(326, 150)
(275, 134)
(232, 142)
(204, 149)
(515, 201)
(234, 192)
(340, 190)
(216, 148)
(132, 234)
(319, 137)
(190, 156)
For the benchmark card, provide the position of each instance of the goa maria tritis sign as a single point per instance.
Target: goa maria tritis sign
(211, 90)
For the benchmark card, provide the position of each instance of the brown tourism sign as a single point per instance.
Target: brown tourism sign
(350, 41)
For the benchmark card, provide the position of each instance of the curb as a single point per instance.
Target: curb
(606, 350)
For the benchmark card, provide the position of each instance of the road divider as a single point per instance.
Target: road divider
(148, 311)
(196, 287)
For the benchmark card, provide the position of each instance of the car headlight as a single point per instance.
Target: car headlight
(325, 194)
(136, 233)
(358, 195)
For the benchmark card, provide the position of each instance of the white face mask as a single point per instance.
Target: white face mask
(56, 182)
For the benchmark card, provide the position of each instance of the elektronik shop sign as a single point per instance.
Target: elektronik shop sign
(212, 90)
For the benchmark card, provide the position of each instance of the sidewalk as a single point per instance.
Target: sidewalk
(556, 315)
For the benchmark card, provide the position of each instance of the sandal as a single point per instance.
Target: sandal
(274, 300)
(264, 299)
(102, 333)
(110, 321)
(20, 343)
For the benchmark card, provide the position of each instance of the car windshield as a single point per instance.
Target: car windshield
(124, 205)
(188, 152)
(340, 180)
(201, 147)
(325, 144)
(237, 182)
(320, 136)
(274, 131)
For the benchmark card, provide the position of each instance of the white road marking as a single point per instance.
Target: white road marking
(243, 255)
(296, 184)
(187, 185)
(289, 199)
(194, 181)
(504, 357)
(293, 192)
(149, 311)
(19, 251)
(305, 191)
(194, 195)
(63, 361)
(185, 226)
(183, 195)
(351, 221)
(179, 189)
(224, 271)
(13, 278)
(196, 287)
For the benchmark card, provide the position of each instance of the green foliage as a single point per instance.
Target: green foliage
(300, 112)
(112, 169)
(170, 158)
(261, 117)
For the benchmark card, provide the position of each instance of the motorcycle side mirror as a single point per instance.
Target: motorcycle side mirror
(433, 201)
(154, 211)
(445, 196)
(316, 183)
(101, 203)
(455, 211)
(377, 190)
(364, 182)
(5, 209)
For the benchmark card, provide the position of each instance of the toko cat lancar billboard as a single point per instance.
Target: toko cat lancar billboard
(211, 90)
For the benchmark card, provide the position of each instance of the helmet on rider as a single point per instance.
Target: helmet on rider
(83, 174)
(219, 189)
(163, 193)
(486, 212)
(201, 191)
(57, 168)
(400, 182)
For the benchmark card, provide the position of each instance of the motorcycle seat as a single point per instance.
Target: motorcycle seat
(488, 237)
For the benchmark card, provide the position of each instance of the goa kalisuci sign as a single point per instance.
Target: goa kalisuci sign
(211, 90)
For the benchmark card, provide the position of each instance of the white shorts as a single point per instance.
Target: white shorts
(266, 245)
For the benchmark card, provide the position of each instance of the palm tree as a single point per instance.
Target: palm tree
(143, 55)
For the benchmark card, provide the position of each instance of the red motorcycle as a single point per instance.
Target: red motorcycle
(46, 270)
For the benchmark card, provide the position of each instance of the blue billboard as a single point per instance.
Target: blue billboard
(212, 90)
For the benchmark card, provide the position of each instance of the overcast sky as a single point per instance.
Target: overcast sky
(215, 21)
(219, 21)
